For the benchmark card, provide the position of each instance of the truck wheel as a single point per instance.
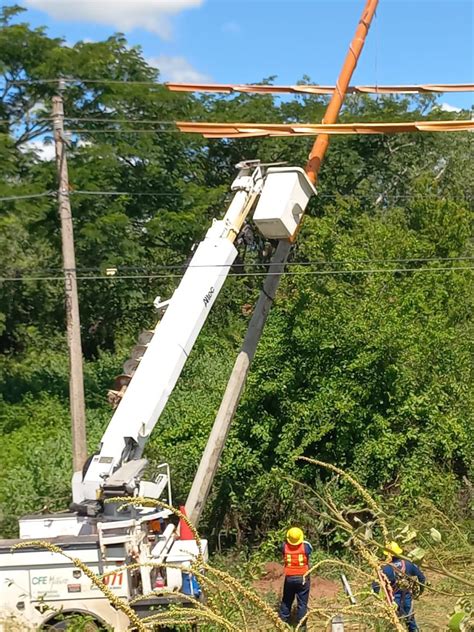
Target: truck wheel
(88, 626)
(161, 629)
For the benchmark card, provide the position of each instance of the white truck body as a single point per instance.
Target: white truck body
(37, 585)
(40, 587)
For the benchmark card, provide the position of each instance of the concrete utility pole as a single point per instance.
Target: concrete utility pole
(203, 480)
(210, 460)
(76, 379)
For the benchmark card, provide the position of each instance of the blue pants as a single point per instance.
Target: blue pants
(294, 587)
(404, 603)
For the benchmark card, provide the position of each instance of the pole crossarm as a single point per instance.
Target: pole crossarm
(229, 88)
(243, 130)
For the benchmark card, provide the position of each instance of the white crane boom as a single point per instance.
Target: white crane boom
(118, 464)
(173, 340)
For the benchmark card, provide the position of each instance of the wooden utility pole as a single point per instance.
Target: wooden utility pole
(76, 379)
(210, 460)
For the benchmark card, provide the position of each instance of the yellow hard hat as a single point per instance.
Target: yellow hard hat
(393, 549)
(294, 536)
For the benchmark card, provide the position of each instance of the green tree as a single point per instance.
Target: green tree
(367, 370)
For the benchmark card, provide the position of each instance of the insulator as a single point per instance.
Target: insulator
(130, 366)
(137, 352)
(145, 336)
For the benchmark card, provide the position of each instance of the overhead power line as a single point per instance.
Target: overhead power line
(332, 196)
(93, 119)
(243, 274)
(70, 80)
(118, 271)
(98, 119)
(52, 194)
(110, 120)
(160, 194)
(128, 193)
(123, 131)
(29, 196)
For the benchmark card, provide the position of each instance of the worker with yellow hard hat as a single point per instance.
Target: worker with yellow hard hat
(393, 550)
(296, 552)
(403, 578)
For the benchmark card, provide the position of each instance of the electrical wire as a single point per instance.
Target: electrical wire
(329, 196)
(58, 80)
(254, 264)
(91, 119)
(130, 193)
(110, 120)
(123, 131)
(242, 274)
(88, 119)
(92, 193)
(53, 194)
(30, 196)
(332, 196)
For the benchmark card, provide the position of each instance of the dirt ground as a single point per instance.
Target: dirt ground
(272, 583)
(431, 610)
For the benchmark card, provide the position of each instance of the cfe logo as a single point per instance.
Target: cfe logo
(43, 580)
(208, 296)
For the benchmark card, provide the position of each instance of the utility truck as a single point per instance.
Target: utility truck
(41, 588)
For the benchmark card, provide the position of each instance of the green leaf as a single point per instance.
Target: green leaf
(459, 622)
(417, 554)
(435, 534)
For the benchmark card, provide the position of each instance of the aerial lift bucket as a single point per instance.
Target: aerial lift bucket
(283, 201)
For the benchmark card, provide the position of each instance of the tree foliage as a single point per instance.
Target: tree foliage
(360, 365)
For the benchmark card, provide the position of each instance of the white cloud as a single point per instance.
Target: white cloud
(39, 106)
(177, 69)
(84, 143)
(125, 15)
(449, 108)
(44, 150)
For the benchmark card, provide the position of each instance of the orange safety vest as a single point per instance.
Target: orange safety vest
(296, 560)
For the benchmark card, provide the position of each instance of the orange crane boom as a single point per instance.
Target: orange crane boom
(321, 143)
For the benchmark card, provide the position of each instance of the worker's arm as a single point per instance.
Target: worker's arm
(415, 571)
(308, 549)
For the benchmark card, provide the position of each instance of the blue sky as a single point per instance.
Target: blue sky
(241, 41)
